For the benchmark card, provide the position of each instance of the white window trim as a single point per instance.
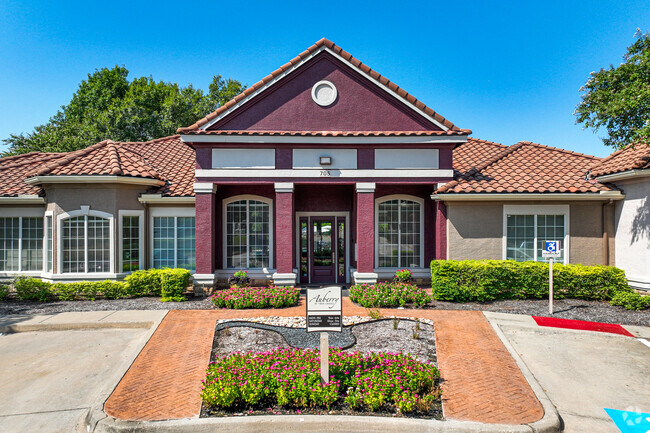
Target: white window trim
(385, 198)
(85, 211)
(121, 214)
(347, 240)
(224, 226)
(20, 214)
(175, 212)
(48, 213)
(537, 210)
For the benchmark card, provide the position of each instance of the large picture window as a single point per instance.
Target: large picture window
(21, 244)
(174, 242)
(86, 242)
(528, 228)
(399, 233)
(248, 234)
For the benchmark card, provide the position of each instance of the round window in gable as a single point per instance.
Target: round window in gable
(324, 93)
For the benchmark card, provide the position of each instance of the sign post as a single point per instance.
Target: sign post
(324, 315)
(551, 250)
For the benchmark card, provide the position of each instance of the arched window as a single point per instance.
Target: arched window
(248, 228)
(86, 244)
(399, 233)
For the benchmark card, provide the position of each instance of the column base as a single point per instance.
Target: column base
(203, 278)
(284, 279)
(365, 278)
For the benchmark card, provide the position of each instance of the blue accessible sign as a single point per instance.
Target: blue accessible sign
(630, 422)
(551, 249)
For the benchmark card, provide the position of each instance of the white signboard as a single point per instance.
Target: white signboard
(324, 309)
(551, 249)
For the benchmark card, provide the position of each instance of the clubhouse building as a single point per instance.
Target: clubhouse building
(324, 172)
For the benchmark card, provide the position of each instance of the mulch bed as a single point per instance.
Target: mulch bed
(595, 311)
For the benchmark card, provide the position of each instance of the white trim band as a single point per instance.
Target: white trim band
(159, 199)
(283, 186)
(324, 173)
(365, 187)
(575, 196)
(23, 199)
(629, 174)
(94, 179)
(306, 139)
(205, 188)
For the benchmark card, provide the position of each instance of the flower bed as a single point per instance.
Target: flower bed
(388, 295)
(256, 297)
(291, 378)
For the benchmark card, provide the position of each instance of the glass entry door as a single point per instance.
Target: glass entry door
(322, 249)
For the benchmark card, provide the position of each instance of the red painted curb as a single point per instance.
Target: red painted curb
(581, 325)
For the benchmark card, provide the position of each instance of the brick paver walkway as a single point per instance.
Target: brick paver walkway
(481, 380)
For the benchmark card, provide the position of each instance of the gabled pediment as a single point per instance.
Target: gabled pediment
(324, 89)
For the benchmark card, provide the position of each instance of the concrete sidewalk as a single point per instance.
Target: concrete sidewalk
(54, 368)
(582, 372)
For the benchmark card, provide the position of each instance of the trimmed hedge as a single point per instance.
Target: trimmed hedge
(488, 280)
(631, 301)
(168, 283)
(4, 292)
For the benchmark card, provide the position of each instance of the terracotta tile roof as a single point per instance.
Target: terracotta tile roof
(529, 168)
(633, 157)
(474, 153)
(14, 169)
(173, 159)
(338, 50)
(332, 133)
(104, 158)
(167, 159)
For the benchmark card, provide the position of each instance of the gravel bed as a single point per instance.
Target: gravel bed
(596, 311)
(388, 335)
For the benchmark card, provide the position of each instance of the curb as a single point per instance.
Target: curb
(98, 421)
(551, 421)
(9, 329)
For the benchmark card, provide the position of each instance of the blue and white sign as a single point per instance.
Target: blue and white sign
(629, 421)
(551, 249)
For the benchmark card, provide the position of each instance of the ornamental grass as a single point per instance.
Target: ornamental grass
(394, 294)
(256, 297)
(290, 378)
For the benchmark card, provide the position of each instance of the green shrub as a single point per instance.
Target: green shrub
(33, 289)
(631, 301)
(113, 289)
(173, 283)
(67, 291)
(388, 295)
(488, 280)
(144, 282)
(4, 292)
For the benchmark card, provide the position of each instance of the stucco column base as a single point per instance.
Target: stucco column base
(365, 278)
(203, 278)
(284, 279)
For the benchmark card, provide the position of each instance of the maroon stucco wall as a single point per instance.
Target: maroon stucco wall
(360, 106)
(323, 198)
(205, 233)
(365, 232)
(284, 234)
(441, 231)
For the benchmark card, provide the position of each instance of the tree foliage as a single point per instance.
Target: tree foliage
(109, 106)
(618, 99)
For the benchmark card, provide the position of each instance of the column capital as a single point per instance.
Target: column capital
(283, 187)
(365, 187)
(205, 188)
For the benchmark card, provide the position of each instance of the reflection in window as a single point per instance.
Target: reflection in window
(21, 244)
(526, 234)
(247, 234)
(174, 242)
(398, 229)
(86, 244)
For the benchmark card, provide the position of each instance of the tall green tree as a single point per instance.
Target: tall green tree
(618, 98)
(109, 106)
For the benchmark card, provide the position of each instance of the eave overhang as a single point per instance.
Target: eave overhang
(603, 195)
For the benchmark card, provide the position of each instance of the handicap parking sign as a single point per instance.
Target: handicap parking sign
(551, 249)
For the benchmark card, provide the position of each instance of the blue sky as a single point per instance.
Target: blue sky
(509, 71)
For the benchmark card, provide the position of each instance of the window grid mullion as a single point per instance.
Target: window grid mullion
(20, 244)
(175, 242)
(535, 242)
(248, 259)
(85, 243)
(399, 233)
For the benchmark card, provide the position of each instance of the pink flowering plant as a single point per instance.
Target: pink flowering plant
(290, 377)
(403, 276)
(256, 297)
(391, 294)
